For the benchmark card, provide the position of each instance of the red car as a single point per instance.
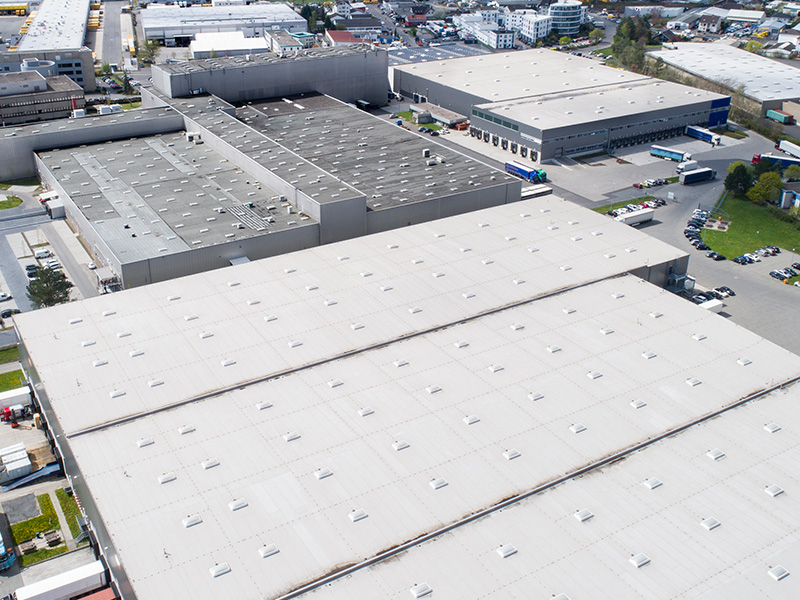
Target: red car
(638, 186)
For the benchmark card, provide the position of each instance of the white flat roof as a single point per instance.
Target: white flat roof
(509, 75)
(763, 78)
(58, 25)
(599, 104)
(155, 16)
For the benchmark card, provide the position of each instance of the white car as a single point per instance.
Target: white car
(91, 264)
(753, 257)
(52, 264)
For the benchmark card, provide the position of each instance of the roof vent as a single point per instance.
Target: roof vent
(291, 436)
(86, 343)
(610, 255)
(116, 393)
(420, 590)
(553, 349)
(264, 405)
(744, 361)
(366, 273)
(774, 490)
(357, 515)
(699, 337)
(487, 261)
(330, 302)
(323, 473)
(617, 295)
(400, 445)
(606, 331)
(433, 389)
(268, 550)
(311, 288)
(233, 283)
(192, 520)
(295, 344)
(577, 428)
(385, 288)
(144, 442)
(518, 281)
(715, 454)
(535, 396)
(184, 429)
(357, 326)
(99, 362)
(437, 483)
(710, 523)
(648, 354)
(468, 295)
(400, 363)
(166, 478)
(639, 560)
(565, 268)
(638, 403)
(506, 550)
(584, 515)
(414, 310)
(496, 368)
(209, 463)
(461, 344)
(219, 569)
(253, 302)
(778, 572)
(772, 427)
(269, 318)
(204, 335)
(532, 250)
(366, 411)
(652, 483)
(173, 298)
(561, 597)
(594, 374)
(517, 326)
(568, 310)
(135, 353)
(655, 314)
(693, 381)
(511, 454)
(237, 504)
(155, 383)
(471, 419)
(334, 383)
(227, 362)
(75, 321)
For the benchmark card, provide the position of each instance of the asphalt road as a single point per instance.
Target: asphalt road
(112, 42)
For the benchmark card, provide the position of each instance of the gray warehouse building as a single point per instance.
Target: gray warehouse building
(543, 104)
(176, 26)
(349, 73)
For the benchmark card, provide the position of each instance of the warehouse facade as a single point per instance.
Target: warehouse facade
(542, 104)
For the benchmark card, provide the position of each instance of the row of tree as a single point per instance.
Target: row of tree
(633, 35)
(761, 183)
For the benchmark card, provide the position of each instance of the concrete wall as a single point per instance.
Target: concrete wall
(349, 77)
(659, 274)
(445, 96)
(439, 208)
(17, 145)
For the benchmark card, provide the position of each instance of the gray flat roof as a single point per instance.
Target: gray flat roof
(20, 76)
(598, 104)
(256, 60)
(156, 15)
(509, 75)
(126, 116)
(383, 161)
(153, 196)
(389, 375)
(58, 24)
(762, 78)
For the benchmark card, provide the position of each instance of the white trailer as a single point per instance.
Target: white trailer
(788, 147)
(689, 165)
(714, 306)
(636, 217)
(66, 585)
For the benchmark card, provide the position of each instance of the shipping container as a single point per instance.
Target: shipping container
(780, 117)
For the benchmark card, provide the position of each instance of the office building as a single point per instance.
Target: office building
(28, 96)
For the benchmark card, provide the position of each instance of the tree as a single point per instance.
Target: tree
(792, 173)
(148, 52)
(564, 40)
(212, 53)
(127, 88)
(596, 35)
(105, 69)
(312, 22)
(753, 46)
(328, 23)
(738, 179)
(765, 166)
(412, 32)
(766, 189)
(51, 287)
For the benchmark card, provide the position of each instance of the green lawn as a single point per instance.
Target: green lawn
(10, 202)
(130, 105)
(71, 511)
(9, 354)
(29, 181)
(11, 380)
(604, 51)
(737, 135)
(409, 118)
(752, 227)
(672, 179)
(604, 209)
(48, 520)
(27, 560)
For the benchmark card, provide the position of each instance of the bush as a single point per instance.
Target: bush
(72, 513)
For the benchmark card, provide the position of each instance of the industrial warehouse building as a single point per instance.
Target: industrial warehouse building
(765, 83)
(28, 96)
(457, 396)
(176, 26)
(543, 104)
(349, 73)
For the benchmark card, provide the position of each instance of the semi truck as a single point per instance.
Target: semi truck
(636, 217)
(783, 161)
(704, 174)
(780, 116)
(789, 148)
(528, 173)
(689, 165)
(77, 582)
(669, 154)
(703, 134)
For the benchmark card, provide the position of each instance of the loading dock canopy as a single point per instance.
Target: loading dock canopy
(439, 114)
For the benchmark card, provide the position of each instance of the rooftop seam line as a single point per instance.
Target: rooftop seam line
(426, 537)
(330, 359)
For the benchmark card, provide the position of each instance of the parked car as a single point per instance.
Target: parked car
(727, 290)
(8, 312)
(5, 297)
(638, 186)
(702, 247)
(91, 265)
(715, 255)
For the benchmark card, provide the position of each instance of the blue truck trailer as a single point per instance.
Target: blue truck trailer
(783, 161)
(670, 154)
(703, 134)
(528, 173)
(704, 174)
